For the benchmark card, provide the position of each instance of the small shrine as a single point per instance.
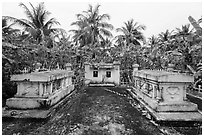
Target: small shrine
(102, 73)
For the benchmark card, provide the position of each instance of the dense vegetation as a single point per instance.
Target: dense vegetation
(38, 41)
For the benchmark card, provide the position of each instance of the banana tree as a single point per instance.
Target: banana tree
(197, 39)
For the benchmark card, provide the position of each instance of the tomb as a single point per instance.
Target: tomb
(164, 94)
(37, 92)
(100, 73)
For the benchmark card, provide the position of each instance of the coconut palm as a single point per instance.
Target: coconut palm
(92, 31)
(37, 25)
(92, 26)
(128, 44)
(131, 33)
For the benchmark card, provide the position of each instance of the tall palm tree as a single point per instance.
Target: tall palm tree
(81, 36)
(37, 25)
(128, 44)
(131, 33)
(92, 26)
(92, 30)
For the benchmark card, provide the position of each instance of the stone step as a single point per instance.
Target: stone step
(176, 107)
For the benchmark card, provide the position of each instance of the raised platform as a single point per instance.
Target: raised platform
(163, 112)
(35, 107)
(38, 102)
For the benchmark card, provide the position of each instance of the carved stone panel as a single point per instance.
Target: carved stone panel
(29, 89)
(173, 94)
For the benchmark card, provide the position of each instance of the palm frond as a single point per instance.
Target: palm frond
(28, 13)
(106, 33)
(105, 25)
(57, 30)
(104, 17)
(51, 22)
(22, 22)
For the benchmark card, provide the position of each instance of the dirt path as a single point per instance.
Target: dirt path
(91, 111)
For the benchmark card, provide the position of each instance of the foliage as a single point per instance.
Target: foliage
(37, 27)
(182, 47)
(92, 33)
(92, 41)
(22, 49)
(129, 46)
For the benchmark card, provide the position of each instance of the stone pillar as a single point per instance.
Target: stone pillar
(19, 88)
(159, 94)
(51, 86)
(135, 68)
(154, 92)
(66, 81)
(44, 89)
(88, 74)
(68, 67)
(184, 92)
(62, 83)
(40, 89)
(70, 80)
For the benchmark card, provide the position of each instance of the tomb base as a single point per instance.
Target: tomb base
(38, 102)
(174, 111)
(37, 112)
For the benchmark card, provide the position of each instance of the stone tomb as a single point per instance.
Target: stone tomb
(39, 90)
(164, 94)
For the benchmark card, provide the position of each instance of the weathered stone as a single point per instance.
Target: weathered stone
(40, 90)
(164, 93)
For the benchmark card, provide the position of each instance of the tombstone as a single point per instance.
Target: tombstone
(38, 91)
(164, 92)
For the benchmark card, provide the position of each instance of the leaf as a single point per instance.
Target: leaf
(191, 69)
(195, 25)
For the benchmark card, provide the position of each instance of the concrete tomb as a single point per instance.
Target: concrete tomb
(39, 91)
(164, 94)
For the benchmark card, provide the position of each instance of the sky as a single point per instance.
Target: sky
(157, 16)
